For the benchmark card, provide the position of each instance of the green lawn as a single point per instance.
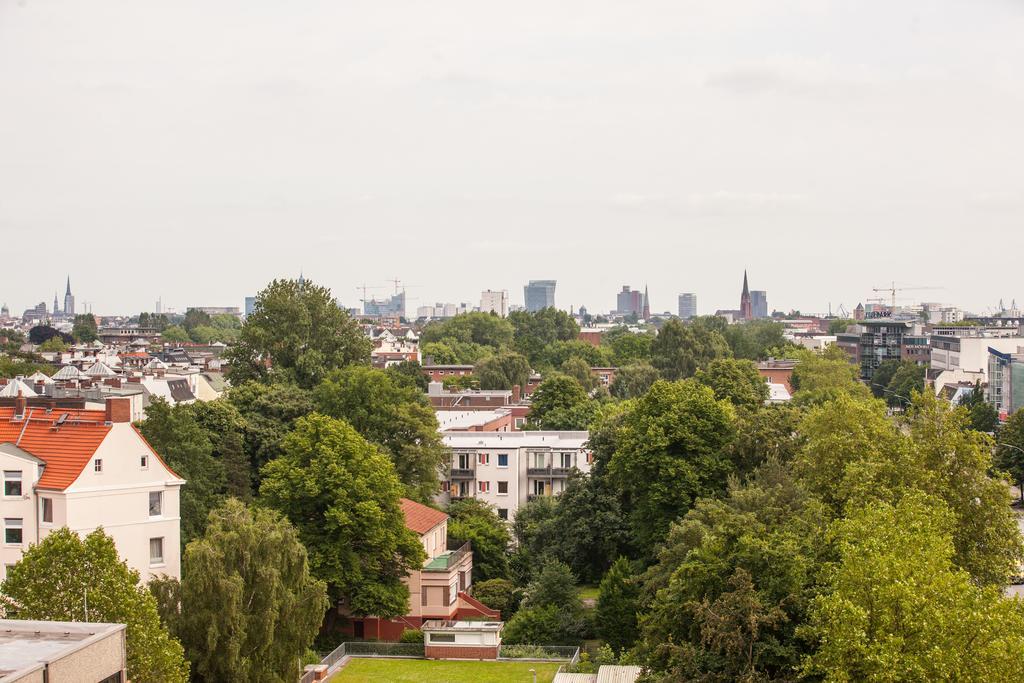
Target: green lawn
(422, 670)
(588, 592)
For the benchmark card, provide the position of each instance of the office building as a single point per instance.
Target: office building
(494, 302)
(506, 469)
(629, 302)
(1005, 389)
(759, 303)
(687, 306)
(873, 341)
(392, 307)
(250, 305)
(539, 294)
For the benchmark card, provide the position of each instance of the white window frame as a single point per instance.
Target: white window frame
(14, 476)
(11, 523)
(45, 502)
(159, 504)
(143, 462)
(156, 561)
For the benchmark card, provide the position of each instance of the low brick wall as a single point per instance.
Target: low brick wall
(460, 652)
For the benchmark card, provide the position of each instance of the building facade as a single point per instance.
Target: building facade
(629, 302)
(539, 294)
(1005, 390)
(84, 469)
(746, 304)
(687, 305)
(877, 340)
(507, 469)
(494, 302)
(759, 303)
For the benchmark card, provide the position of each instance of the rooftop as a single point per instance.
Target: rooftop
(419, 517)
(446, 625)
(26, 645)
(64, 439)
(531, 439)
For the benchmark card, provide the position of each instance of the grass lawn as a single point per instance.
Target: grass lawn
(422, 670)
(588, 592)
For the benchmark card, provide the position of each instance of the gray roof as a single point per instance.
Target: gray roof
(68, 372)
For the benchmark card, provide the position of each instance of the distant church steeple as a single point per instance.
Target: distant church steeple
(746, 306)
(69, 300)
(647, 305)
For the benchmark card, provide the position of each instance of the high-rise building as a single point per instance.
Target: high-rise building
(69, 300)
(393, 306)
(759, 303)
(629, 302)
(250, 305)
(494, 302)
(687, 305)
(746, 307)
(539, 294)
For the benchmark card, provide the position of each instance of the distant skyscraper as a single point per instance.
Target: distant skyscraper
(539, 294)
(759, 303)
(746, 308)
(250, 305)
(687, 306)
(393, 306)
(69, 300)
(494, 301)
(629, 302)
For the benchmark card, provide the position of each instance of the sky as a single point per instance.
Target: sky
(194, 150)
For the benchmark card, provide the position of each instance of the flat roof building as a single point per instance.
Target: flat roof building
(61, 652)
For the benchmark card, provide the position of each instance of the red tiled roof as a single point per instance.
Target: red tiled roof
(419, 517)
(65, 450)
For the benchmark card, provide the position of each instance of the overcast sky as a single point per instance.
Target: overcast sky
(196, 149)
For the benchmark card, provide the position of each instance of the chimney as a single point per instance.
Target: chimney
(517, 393)
(20, 403)
(119, 410)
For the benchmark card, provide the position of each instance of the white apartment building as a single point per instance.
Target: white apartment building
(83, 469)
(506, 469)
(494, 302)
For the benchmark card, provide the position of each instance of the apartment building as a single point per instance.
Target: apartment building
(1005, 390)
(506, 469)
(83, 469)
(438, 590)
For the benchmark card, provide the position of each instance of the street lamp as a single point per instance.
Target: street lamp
(534, 672)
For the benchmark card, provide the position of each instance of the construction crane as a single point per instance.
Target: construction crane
(364, 289)
(893, 289)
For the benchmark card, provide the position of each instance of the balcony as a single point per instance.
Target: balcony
(532, 496)
(548, 471)
(458, 473)
(448, 560)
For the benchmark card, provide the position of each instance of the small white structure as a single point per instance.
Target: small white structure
(461, 639)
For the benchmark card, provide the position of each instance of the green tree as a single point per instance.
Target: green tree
(66, 577)
(268, 412)
(617, 606)
(896, 608)
(54, 344)
(175, 334)
(475, 521)
(627, 347)
(559, 402)
(503, 371)
(534, 331)
(557, 353)
(984, 417)
(753, 339)
(43, 333)
(391, 414)
(342, 494)
(736, 381)
(839, 325)
(632, 381)
(679, 350)
(771, 432)
(454, 352)
(483, 329)
(882, 375)
(672, 439)
(186, 448)
(195, 318)
(84, 330)
(538, 626)
(907, 381)
(553, 585)
(499, 594)
(820, 377)
(296, 331)
(410, 373)
(579, 370)
(250, 608)
(1010, 451)
(535, 533)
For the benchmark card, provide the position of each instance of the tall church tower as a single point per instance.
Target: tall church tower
(69, 300)
(746, 307)
(647, 305)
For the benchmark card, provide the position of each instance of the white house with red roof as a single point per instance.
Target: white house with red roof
(439, 590)
(84, 469)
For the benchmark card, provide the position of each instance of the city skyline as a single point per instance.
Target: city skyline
(738, 134)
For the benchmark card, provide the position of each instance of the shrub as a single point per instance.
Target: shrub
(411, 635)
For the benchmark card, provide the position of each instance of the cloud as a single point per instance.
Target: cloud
(718, 202)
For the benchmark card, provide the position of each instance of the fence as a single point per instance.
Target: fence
(563, 653)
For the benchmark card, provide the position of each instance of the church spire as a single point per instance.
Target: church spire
(647, 305)
(746, 306)
(68, 292)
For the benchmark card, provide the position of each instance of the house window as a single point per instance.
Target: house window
(97, 465)
(442, 637)
(566, 460)
(538, 488)
(503, 513)
(483, 486)
(47, 510)
(12, 482)
(12, 530)
(502, 459)
(502, 488)
(144, 462)
(483, 459)
(156, 551)
(156, 503)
